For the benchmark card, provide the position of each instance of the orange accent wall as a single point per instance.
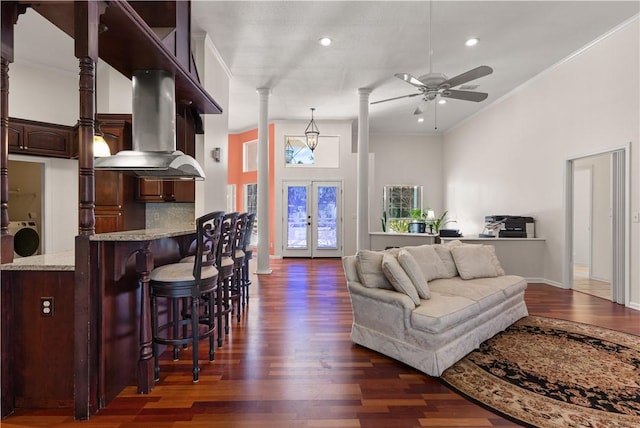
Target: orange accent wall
(236, 176)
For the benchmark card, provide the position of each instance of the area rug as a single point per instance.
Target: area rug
(546, 372)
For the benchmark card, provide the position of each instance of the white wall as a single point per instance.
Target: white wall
(511, 157)
(346, 173)
(414, 160)
(211, 194)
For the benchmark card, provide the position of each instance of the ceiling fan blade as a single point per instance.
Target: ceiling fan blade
(410, 79)
(395, 98)
(470, 75)
(465, 95)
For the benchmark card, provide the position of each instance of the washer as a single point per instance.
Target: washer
(26, 239)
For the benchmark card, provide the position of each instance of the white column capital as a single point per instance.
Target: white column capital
(263, 92)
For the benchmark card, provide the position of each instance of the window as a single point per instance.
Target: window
(250, 156)
(399, 201)
(251, 198)
(231, 198)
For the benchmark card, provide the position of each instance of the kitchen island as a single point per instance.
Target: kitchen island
(76, 325)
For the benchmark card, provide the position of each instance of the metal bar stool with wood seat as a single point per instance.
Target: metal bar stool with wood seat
(195, 284)
(225, 267)
(238, 263)
(248, 255)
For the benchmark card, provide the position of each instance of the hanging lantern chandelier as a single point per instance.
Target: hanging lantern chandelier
(312, 133)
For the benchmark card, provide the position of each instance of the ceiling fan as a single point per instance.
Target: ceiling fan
(433, 85)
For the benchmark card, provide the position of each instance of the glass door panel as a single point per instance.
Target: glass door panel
(313, 224)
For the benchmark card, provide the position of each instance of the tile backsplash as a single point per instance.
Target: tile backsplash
(167, 215)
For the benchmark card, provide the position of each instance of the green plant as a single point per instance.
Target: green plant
(440, 222)
(401, 226)
(418, 214)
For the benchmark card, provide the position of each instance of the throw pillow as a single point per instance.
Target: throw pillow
(494, 259)
(414, 272)
(369, 267)
(473, 261)
(428, 260)
(444, 252)
(398, 278)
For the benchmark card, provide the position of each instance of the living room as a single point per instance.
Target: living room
(519, 144)
(511, 157)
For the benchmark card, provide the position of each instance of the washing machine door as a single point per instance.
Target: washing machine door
(26, 239)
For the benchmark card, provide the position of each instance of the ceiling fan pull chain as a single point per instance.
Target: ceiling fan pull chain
(435, 114)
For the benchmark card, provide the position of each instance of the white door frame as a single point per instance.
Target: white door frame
(621, 197)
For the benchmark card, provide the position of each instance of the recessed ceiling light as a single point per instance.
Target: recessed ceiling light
(441, 101)
(325, 41)
(472, 42)
(420, 119)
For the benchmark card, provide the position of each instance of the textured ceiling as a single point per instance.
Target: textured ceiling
(274, 44)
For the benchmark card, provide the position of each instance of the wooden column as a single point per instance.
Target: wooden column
(86, 23)
(146, 376)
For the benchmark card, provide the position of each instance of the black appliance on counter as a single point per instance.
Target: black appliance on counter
(512, 226)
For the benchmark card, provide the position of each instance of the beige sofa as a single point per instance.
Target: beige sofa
(429, 306)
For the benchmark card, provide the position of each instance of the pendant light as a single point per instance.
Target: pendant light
(100, 146)
(312, 133)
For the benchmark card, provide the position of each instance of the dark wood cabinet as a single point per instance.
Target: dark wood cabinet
(28, 137)
(116, 207)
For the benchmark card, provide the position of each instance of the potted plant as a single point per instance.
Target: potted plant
(418, 223)
(436, 223)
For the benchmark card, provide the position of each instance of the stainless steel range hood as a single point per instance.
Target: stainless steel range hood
(154, 153)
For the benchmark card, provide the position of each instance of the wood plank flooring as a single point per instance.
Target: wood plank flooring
(290, 363)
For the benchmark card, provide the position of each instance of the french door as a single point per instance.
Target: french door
(312, 219)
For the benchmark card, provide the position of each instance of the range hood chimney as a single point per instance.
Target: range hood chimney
(154, 153)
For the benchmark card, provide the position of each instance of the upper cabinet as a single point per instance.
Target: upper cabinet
(28, 137)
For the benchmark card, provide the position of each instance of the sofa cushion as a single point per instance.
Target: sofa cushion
(484, 293)
(474, 261)
(428, 260)
(369, 268)
(398, 278)
(443, 312)
(414, 272)
(444, 252)
(509, 284)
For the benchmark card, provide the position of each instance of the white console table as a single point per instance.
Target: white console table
(382, 240)
(518, 256)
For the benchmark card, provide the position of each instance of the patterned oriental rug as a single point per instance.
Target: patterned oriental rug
(546, 372)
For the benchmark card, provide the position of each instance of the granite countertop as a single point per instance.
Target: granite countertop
(143, 234)
(65, 260)
(57, 261)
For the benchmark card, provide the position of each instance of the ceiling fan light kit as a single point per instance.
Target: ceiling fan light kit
(436, 86)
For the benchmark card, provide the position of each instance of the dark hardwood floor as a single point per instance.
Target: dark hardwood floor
(290, 363)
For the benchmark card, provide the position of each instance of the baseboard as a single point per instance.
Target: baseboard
(634, 305)
(544, 281)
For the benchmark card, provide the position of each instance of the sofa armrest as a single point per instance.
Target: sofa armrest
(385, 311)
(392, 297)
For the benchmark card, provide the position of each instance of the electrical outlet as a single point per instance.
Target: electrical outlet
(46, 306)
(636, 217)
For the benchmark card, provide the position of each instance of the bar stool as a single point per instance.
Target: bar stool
(225, 266)
(238, 263)
(192, 286)
(248, 255)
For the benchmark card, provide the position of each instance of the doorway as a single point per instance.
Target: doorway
(597, 244)
(592, 226)
(312, 224)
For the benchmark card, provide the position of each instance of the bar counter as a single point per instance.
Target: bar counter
(96, 340)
